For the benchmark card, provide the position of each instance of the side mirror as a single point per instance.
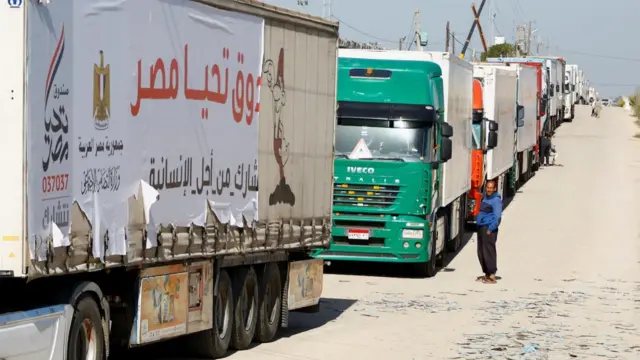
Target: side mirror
(492, 140)
(447, 130)
(520, 116)
(446, 150)
(545, 97)
(493, 126)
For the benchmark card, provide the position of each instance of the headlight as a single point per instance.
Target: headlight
(412, 234)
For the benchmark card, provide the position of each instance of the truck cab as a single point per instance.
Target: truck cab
(390, 147)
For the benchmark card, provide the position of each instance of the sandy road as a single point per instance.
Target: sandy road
(568, 254)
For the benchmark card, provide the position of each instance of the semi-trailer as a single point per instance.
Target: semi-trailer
(159, 183)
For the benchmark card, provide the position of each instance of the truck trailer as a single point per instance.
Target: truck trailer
(189, 202)
(403, 151)
(494, 126)
(526, 120)
(548, 96)
(570, 91)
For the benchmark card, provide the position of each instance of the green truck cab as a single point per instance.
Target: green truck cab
(390, 148)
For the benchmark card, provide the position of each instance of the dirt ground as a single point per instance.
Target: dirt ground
(568, 255)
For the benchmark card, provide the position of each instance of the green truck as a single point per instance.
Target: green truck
(402, 157)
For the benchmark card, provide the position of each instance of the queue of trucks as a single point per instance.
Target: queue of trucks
(200, 189)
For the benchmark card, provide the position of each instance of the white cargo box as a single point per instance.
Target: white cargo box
(528, 97)
(144, 136)
(457, 76)
(499, 98)
(527, 91)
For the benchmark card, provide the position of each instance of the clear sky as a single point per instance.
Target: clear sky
(589, 33)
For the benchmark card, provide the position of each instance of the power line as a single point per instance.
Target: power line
(611, 57)
(365, 33)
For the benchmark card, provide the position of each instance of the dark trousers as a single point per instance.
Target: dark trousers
(487, 251)
(544, 154)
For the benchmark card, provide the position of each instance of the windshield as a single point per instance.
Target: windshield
(383, 143)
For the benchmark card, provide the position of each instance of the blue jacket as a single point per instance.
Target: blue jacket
(490, 212)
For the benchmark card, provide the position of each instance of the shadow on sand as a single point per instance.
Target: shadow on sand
(299, 322)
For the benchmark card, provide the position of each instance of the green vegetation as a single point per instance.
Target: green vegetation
(634, 103)
(499, 50)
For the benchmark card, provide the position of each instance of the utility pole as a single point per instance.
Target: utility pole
(402, 39)
(521, 39)
(493, 23)
(529, 39)
(417, 27)
(453, 43)
(446, 46)
(326, 9)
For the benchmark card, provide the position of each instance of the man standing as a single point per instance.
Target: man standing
(488, 221)
(598, 108)
(545, 148)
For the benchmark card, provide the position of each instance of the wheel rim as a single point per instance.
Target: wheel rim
(272, 300)
(248, 307)
(87, 344)
(223, 312)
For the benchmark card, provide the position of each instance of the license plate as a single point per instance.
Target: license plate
(357, 234)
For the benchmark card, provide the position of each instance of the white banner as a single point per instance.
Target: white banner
(163, 94)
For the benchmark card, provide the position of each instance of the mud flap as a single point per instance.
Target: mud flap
(304, 284)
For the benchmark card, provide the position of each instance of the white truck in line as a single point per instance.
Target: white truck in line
(131, 211)
(526, 119)
(582, 88)
(570, 91)
(499, 96)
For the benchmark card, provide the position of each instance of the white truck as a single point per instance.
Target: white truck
(188, 203)
(570, 91)
(582, 88)
(527, 125)
(499, 90)
(526, 119)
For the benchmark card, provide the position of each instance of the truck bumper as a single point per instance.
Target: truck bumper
(385, 242)
(45, 328)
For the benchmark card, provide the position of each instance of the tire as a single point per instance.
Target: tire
(454, 244)
(245, 314)
(429, 269)
(270, 303)
(214, 343)
(86, 337)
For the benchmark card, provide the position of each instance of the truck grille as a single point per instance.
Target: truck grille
(370, 196)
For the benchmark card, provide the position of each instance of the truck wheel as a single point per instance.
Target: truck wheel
(270, 306)
(454, 244)
(430, 268)
(245, 314)
(213, 343)
(86, 337)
